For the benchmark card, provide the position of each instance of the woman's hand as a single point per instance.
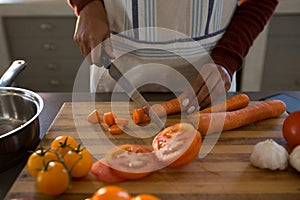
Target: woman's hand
(92, 29)
(212, 82)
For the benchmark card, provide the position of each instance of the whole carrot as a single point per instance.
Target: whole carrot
(141, 115)
(232, 103)
(167, 108)
(222, 121)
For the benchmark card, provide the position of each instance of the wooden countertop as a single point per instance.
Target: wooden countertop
(224, 174)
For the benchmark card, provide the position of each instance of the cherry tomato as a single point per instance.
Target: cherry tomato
(291, 129)
(111, 193)
(54, 179)
(131, 161)
(177, 145)
(103, 172)
(38, 159)
(79, 162)
(145, 197)
(63, 144)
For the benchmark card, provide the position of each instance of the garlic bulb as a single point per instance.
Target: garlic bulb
(295, 158)
(269, 155)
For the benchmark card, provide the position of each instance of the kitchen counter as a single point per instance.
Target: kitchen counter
(54, 101)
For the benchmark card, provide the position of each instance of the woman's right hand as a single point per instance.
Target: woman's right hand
(92, 29)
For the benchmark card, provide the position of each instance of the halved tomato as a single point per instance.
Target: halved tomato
(177, 145)
(131, 161)
(103, 172)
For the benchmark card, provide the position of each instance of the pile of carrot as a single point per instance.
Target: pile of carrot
(114, 123)
(231, 113)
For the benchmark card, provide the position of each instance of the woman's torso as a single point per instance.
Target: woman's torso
(176, 35)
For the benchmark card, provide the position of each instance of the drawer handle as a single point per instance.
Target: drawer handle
(49, 47)
(54, 82)
(52, 66)
(46, 26)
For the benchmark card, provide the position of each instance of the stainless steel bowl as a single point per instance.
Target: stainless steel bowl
(19, 124)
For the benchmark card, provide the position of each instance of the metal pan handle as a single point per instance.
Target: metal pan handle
(12, 72)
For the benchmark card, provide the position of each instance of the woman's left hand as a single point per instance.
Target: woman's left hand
(212, 82)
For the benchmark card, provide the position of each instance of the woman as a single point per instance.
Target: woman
(174, 33)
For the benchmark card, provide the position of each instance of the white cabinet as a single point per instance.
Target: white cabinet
(40, 32)
(282, 59)
(273, 61)
(47, 46)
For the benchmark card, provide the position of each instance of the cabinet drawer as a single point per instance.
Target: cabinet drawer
(51, 83)
(52, 66)
(46, 84)
(44, 47)
(37, 27)
(281, 82)
(282, 59)
(44, 75)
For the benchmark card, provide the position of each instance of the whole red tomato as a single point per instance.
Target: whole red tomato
(291, 129)
(131, 161)
(177, 145)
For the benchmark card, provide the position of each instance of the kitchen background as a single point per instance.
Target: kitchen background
(41, 32)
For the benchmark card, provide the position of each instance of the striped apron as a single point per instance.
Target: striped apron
(160, 45)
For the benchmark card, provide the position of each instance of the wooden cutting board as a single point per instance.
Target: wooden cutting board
(225, 173)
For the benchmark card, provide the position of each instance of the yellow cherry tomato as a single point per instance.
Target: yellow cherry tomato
(111, 193)
(38, 159)
(62, 144)
(79, 162)
(145, 197)
(54, 179)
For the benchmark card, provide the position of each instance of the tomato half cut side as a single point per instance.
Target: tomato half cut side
(131, 161)
(177, 145)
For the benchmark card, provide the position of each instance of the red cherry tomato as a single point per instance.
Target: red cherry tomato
(131, 161)
(291, 129)
(177, 145)
(103, 172)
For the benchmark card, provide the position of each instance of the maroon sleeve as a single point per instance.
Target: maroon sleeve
(78, 5)
(248, 21)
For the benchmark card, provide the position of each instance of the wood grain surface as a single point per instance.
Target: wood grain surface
(225, 173)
